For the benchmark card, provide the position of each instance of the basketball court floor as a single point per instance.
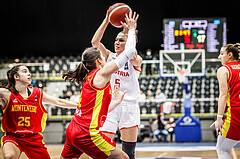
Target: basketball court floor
(161, 151)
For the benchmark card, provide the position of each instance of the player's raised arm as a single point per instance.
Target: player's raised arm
(97, 37)
(108, 69)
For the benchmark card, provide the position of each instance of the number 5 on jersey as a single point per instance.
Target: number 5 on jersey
(117, 83)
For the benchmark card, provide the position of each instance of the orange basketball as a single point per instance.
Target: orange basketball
(117, 13)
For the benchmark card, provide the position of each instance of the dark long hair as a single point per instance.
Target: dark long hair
(89, 57)
(235, 49)
(11, 81)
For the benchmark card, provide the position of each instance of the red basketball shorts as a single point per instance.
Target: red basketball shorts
(31, 144)
(232, 123)
(80, 139)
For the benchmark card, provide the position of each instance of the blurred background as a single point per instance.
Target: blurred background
(58, 27)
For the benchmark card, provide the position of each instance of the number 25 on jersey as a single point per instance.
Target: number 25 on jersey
(24, 121)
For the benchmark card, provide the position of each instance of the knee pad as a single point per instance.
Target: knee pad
(129, 148)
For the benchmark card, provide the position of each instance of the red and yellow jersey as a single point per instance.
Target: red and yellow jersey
(93, 105)
(24, 115)
(233, 83)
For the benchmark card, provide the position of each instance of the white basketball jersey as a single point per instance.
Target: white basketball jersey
(127, 79)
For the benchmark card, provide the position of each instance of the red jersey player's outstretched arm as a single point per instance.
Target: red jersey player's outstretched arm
(57, 101)
(222, 75)
(119, 97)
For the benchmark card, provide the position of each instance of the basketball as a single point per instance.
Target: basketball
(117, 13)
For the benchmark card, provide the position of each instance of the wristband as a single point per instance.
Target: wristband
(220, 116)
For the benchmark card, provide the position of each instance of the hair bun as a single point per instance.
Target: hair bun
(237, 45)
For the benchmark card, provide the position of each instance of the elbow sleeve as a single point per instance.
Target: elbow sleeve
(124, 57)
(131, 41)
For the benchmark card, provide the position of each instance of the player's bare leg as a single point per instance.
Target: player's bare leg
(129, 138)
(11, 151)
(129, 134)
(118, 153)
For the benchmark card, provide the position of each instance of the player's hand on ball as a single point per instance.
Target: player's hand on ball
(131, 21)
(107, 16)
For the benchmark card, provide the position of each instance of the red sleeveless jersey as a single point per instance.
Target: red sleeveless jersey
(233, 83)
(93, 105)
(24, 115)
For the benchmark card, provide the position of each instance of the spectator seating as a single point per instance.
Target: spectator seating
(204, 90)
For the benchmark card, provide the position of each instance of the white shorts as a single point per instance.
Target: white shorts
(123, 116)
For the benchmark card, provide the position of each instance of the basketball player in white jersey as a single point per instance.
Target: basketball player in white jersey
(126, 116)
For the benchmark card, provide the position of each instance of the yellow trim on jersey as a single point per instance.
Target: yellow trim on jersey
(27, 96)
(44, 116)
(229, 79)
(80, 100)
(228, 98)
(96, 109)
(2, 139)
(4, 109)
(229, 71)
(40, 101)
(227, 122)
(43, 141)
(43, 121)
(97, 139)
